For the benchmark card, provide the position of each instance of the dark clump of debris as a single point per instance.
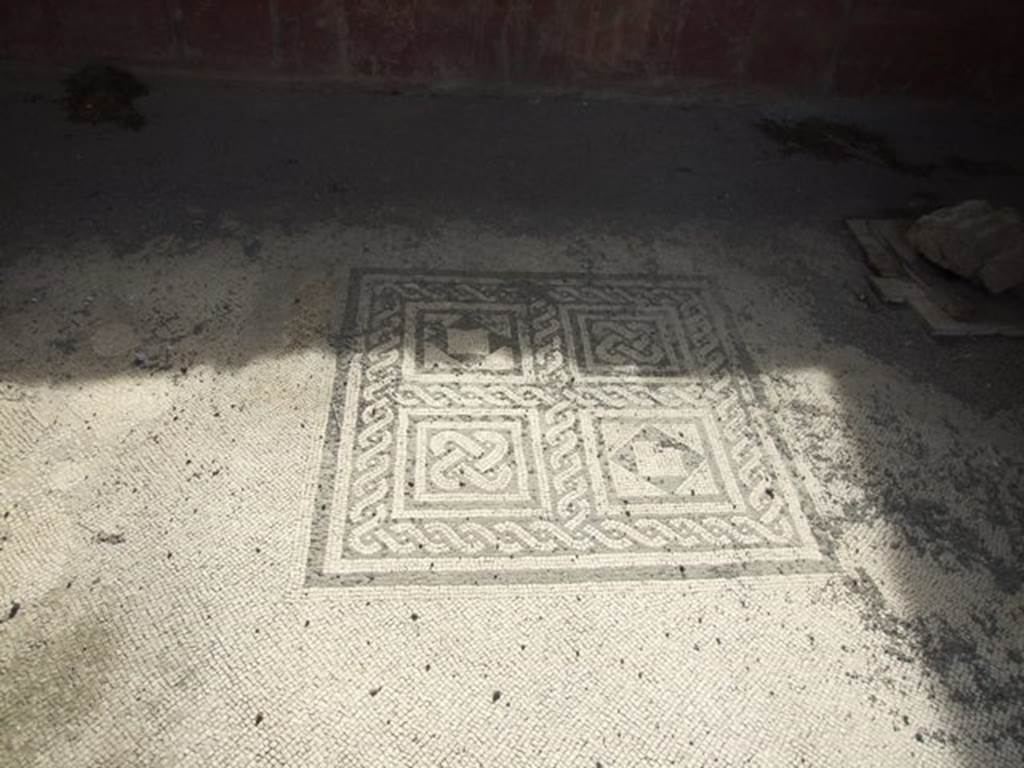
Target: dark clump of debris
(101, 93)
(104, 537)
(12, 611)
(836, 142)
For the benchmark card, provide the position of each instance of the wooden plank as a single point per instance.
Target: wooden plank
(893, 290)
(880, 257)
(941, 324)
(955, 297)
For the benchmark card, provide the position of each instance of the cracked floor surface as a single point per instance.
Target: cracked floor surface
(446, 429)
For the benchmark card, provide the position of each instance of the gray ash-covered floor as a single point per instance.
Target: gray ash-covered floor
(353, 428)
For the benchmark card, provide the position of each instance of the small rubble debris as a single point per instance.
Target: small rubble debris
(12, 611)
(104, 537)
(101, 93)
(495, 696)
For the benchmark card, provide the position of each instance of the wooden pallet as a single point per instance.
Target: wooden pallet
(949, 305)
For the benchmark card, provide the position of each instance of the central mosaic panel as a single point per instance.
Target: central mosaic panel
(544, 428)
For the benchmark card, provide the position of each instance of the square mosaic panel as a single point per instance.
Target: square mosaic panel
(534, 427)
(477, 462)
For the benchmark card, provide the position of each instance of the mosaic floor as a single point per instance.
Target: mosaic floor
(530, 427)
(420, 442)
(385, 517)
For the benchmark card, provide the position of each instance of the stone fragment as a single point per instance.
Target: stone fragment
(974, 240)
(1004, 270)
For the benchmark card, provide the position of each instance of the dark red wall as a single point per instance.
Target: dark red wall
(937, 48)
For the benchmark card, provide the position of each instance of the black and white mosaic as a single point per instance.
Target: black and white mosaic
(537, 427)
